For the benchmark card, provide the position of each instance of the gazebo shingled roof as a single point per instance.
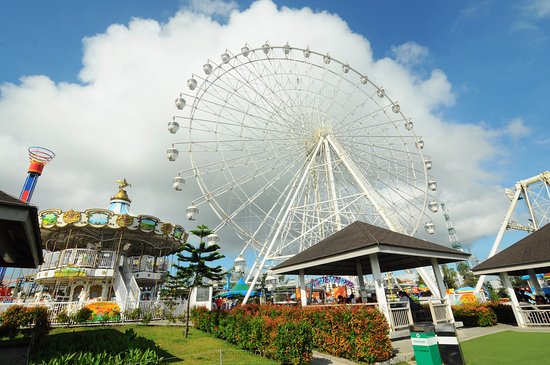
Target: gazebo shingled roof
(531, 252)
(339, 253)
(20, 242)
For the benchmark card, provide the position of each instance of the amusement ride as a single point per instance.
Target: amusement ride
(289, 145)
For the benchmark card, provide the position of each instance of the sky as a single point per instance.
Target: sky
(96, 81)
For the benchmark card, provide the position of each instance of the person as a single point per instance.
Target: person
(406, 298)
(352, 298)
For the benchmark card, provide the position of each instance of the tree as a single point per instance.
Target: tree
(197, 269)
(449, 277)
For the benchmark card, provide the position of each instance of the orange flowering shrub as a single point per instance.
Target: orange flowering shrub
(288, 334)
(474, 314)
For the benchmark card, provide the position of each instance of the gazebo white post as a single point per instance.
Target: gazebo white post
(438, 279)
(379, 286)
(361, 279)
(534, 282)
(515, 304)
(442, 290)
(303, 294)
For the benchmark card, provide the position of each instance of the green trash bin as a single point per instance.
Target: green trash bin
(424, 343)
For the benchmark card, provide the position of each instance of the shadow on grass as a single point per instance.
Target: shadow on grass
(96, 341)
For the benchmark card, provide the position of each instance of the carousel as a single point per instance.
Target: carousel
(103, 255)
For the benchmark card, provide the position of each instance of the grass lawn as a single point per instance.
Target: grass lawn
(198, 348)
(508, 347)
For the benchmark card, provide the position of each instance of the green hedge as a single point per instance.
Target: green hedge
(288, 334)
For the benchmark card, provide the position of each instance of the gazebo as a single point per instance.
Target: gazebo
(528, 256)
(20, 242)
(360, 249)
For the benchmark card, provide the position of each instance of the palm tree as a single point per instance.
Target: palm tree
(197, 269)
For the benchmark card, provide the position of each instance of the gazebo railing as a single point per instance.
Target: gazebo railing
(400, 316)
(535, 315)
(439, 309)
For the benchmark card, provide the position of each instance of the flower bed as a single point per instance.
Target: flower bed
(288, 334)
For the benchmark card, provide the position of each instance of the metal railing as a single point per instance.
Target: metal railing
(78, 257)
(535, 315)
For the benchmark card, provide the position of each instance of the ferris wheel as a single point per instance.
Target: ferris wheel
(289, 145)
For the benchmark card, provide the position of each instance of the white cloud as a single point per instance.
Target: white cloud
(539, 9)
(410, 53)
(516, 128)
(113, 125)
(213, 7)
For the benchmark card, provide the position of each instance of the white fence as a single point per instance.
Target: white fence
(400, 316)
(535, 315)
(79, 257)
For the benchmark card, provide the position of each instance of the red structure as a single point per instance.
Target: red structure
(39, 157)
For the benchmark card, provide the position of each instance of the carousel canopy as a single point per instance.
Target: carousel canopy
(238, 289)
(20, 244)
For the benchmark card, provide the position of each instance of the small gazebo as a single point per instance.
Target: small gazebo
(360, 249)
(528, 256)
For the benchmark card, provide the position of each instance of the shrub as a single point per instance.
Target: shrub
(83, 315)
(288, 334)
(132, 314)
(18, 317)
(473, 315)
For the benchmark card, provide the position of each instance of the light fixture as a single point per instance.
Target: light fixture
(286, 49)
(178, 183)
(430, 228)
(173, 126)
(225, 57)
(172, 154)
(192, 84)
(180, 102)
(428, 164)
(433, 206)
(212, 239)
(239, 264)
(192, 212)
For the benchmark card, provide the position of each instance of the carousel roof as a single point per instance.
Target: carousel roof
(136, 235)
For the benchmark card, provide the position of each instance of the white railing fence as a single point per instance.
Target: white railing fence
(439, 309)
(535, 315)
(400, 316)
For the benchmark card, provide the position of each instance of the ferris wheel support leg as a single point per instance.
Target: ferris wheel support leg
(332, 187)
(503, 228)
(282, 220)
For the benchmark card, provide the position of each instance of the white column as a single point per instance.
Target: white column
(534, 283)
(303, 294)
(379, 286)
(361, 280)
(515, 304)
(438, 279)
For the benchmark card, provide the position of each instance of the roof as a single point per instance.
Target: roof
(531, 252)
(20, 242)
(339, 253)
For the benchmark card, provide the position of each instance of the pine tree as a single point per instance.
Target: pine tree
(197, 269)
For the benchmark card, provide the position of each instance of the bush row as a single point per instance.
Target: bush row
(475, 315)
(288, 334)
(28, 320)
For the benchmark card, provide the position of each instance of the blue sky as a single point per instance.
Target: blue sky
(494, 56)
